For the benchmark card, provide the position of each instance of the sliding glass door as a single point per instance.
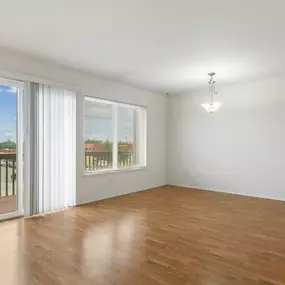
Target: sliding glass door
(11, 148)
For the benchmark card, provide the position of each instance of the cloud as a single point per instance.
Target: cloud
(98, 112)
(8, 89)
(98, 109)
(10, 134)
(7, 134)
(13, 89)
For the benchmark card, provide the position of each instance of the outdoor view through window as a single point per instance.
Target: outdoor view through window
(111, 132)
(98, 135)
(8, 127)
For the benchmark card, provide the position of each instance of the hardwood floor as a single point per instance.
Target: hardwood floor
(8, 204)
(168, 235)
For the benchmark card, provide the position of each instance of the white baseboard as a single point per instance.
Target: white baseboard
(230, 192)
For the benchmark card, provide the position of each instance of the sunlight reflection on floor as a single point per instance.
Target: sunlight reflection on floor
(113, 243)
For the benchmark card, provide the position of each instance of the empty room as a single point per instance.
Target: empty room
(142, 142)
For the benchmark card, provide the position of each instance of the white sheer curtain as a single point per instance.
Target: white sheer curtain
(54, 153)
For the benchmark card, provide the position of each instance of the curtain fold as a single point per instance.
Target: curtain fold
(53, 153)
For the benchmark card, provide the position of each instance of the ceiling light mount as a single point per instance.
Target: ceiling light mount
(212, 106)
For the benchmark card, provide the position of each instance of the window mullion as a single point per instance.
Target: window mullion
(115, 136)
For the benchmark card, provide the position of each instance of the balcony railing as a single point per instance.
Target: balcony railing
(96, 160)
(7, 174)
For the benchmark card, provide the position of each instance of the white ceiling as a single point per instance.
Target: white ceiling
(162, 45)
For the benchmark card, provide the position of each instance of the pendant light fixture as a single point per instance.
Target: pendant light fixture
(212, 106)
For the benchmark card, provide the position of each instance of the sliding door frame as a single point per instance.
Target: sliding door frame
(19, 149)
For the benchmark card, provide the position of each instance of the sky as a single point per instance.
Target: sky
(8, 111)
(98, 119)
(99, 125)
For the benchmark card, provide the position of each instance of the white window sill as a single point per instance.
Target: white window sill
(109, 171)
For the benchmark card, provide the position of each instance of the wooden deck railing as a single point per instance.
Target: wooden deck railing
(96, 160)
(7, 174)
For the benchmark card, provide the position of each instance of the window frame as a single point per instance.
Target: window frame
(143, 136)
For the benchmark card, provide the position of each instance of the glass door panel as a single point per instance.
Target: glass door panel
(10, 146)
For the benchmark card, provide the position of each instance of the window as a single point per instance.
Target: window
(115, 135)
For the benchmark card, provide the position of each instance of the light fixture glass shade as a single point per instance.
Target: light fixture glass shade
(212, 107)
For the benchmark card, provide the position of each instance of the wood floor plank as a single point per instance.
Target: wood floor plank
(167, 236)
(8, 204)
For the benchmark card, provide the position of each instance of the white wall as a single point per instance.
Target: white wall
(240, 149)
(96, 187)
